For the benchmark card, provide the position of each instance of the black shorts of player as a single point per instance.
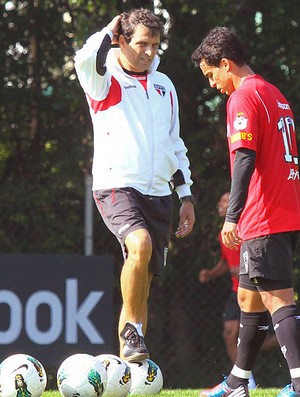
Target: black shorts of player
(125, 210)
(267, 262)
(231, 309)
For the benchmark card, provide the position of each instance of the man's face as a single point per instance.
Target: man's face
(138, 54)
(223, 204)
(219, 76)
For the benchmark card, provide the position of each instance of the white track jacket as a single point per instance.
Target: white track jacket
(136, 132)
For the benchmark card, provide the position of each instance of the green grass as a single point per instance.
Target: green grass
(259, 392)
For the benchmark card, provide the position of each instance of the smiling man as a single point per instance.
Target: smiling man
(139, 158)
(263, 214)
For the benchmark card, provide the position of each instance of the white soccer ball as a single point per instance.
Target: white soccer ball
(118, 376)
(146, 377)
(22, 375)
(81, 375)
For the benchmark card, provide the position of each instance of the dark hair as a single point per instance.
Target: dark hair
(219, 43)
(142, 16)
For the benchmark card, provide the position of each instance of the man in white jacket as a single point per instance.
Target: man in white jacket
(139, 158)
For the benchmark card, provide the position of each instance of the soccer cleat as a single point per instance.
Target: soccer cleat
(223, 390)
(288, 391)
(134, 348)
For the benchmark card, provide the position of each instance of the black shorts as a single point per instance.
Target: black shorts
(125, 210)
(267, 262)
(231, 309)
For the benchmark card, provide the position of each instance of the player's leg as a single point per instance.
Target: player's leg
(252, 333)
(278, 296)
(144, 318)
(157, 213)
(135, 286)
(231, 322)
(230, 336)
(253, 321)
(122, 211)
(134, 275)
(286, 323)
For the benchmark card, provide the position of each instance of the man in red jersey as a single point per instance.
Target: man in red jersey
(263, 215)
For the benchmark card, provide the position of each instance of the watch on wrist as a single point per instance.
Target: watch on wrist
(188, 198)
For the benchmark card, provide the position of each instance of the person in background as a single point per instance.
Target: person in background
(139, 158)
(263, 214)
(229, 262)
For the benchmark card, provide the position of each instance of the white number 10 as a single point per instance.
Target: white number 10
(286, 126)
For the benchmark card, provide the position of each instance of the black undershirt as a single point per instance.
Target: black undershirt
(141, 74)
(244, 164)
(102, 54)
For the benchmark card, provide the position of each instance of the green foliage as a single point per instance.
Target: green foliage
(41, 195)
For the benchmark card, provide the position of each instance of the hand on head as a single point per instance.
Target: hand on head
(114, 26)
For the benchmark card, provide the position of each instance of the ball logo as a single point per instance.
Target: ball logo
(106, 364)
(21, 366)
(21, 386)
(152, 372)
(126, 377)
(37, 366)
(61, 377)
(95, 380)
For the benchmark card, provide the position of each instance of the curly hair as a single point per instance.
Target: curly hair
(219, 43)
(142, 16)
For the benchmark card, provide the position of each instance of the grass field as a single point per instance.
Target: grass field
(186, 393)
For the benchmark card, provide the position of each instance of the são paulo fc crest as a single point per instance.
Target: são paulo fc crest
(160, 89)
(240, 123)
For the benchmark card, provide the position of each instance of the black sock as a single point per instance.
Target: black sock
(252, 334)
(286, 323)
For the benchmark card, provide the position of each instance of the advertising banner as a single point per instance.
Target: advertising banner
(52, 306)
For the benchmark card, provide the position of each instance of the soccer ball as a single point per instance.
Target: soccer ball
(146, 377)
(22, 375)
(81, 375)
(118, 376)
